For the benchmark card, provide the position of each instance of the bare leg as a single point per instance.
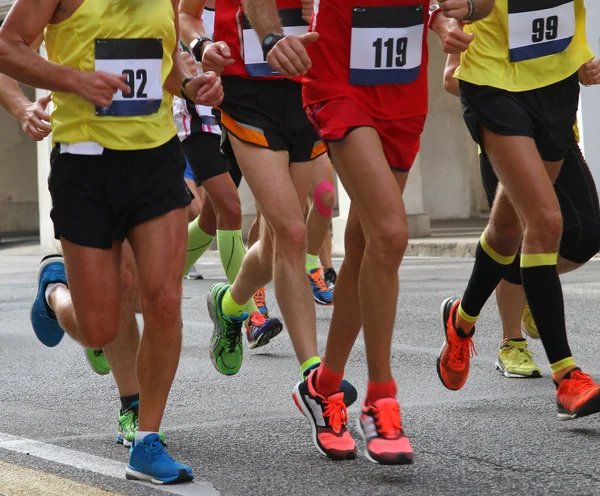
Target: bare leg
(159, 246)
(317, 224)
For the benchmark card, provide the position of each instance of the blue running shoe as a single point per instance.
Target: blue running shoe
(260, 330)
(321, 292)
(350, 393)
(149, 461)
(43, 318)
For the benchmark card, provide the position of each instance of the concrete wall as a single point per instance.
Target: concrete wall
(590, 99)
(18, 182)
(450, 169)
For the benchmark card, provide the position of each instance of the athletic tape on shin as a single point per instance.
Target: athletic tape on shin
(319, 190)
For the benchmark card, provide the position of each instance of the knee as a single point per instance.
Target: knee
(325, 200)
(231, 209)
(510, 229)
(546, 226)
(162, 302)
(290, 238)
(98, 329)
(388, 245)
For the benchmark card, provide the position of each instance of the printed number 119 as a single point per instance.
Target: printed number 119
(395, 52)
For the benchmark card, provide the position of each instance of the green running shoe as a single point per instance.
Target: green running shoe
(128, 426)
(97, 361)
(226, 347)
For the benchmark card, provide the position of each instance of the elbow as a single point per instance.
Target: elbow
(451, 84)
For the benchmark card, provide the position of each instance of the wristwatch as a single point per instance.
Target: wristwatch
(196, 47)
(184, 95)
(269, 41)
(433, 11)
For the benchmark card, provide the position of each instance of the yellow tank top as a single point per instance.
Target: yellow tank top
(523, 46)
(132, 37)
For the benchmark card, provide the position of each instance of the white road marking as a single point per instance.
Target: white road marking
(96, 464)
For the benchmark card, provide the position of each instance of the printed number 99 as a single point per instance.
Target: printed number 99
(544, 29)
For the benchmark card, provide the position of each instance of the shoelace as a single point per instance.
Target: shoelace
(158, 451)
(98, 353)
(259, 298)
(522, 353)
(463, 349)
(232, 331)
(318, 279)
(579, 382)
(388, 421)
(257, 319)
(336, 413)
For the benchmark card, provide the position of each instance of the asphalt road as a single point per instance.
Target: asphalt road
(243, 435)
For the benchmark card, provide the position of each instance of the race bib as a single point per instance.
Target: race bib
(141, 61)
(387, 45)
(256, 64)
(537, 28)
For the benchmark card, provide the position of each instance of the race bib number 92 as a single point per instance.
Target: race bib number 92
(537, 28)
(140, 60)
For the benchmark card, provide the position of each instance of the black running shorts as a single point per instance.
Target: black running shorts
(546, 114)
(269, 113)
(97, 199)
(204, 154)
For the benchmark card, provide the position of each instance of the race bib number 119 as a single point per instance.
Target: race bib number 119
(387, 45)
(140, 60)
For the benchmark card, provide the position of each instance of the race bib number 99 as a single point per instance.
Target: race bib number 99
(387, 45)
(537, 28)
(256, 65)
(140, 60)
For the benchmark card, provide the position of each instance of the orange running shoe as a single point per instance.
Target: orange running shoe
(380, 426)
(321, 292)
(328, 420)
(261, 304)
(453, 362)
(577, 396)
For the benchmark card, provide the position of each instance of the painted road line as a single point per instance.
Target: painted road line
(95, 464)
(21, 481)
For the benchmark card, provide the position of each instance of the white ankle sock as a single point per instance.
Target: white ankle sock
(51, 287)
(140, 435)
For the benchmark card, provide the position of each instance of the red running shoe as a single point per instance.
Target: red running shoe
(577, 396)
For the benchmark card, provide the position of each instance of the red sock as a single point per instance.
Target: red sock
(378, 390)
(327, 382)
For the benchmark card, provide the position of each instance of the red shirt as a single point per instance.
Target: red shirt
(232, 27)
(374, 51)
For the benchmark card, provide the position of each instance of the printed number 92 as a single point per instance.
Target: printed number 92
(397, 59)
(544, 29)
(139, 75)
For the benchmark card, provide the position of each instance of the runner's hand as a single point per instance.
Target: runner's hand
(36, 121)
(451, 35)
(99, 87)
(205, 89)
(289, 56)
(190, 63)
(455, 9)
(307, 9)
(589, 73)
(216, 57)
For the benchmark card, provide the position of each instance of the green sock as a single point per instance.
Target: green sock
(312, 262)
(198, 243)
(232, 252)
(309, 363)
(230, 307)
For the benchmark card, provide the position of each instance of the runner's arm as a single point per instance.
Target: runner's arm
(263, 16)
(12, 98)
(450, 82)
(466, 10)
(190, 20)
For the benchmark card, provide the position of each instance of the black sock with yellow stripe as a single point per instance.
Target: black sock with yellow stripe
(488, 271)
(545, 298)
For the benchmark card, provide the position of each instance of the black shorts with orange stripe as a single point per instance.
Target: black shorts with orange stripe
(269, 113)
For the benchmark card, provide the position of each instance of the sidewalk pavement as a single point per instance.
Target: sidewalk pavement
(449, 238)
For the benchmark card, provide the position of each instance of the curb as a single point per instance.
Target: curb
(432, 247)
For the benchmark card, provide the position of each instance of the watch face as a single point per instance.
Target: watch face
(269, 39)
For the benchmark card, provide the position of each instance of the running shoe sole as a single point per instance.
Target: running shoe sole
(184, 476)
(445, 312)
(500, 368)
(401, 458)
(589, 408)
(322, 302)
(266, 336)
(305, 409)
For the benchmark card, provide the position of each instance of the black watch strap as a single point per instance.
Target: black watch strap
(196, 47)
(269, 41)
(183, 93)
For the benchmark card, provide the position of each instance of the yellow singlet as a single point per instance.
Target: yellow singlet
(135, 38)
(523, 46)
